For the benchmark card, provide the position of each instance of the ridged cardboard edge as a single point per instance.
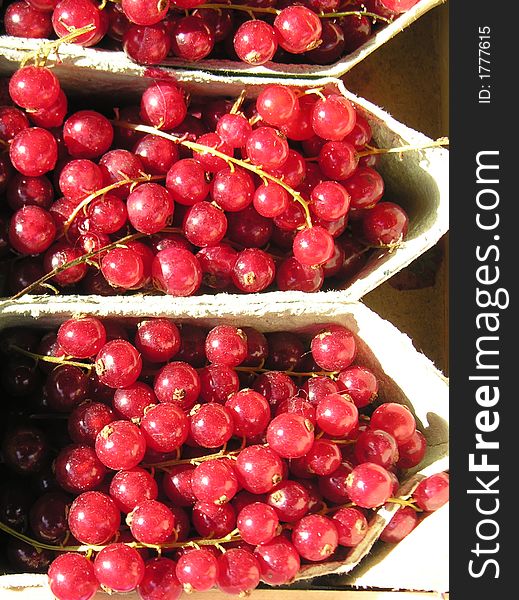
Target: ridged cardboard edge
(11, 46)
(418, 180)
(405, 376)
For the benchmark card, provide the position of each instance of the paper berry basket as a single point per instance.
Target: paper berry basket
(9, 46)
(417, 180)
(405, 376)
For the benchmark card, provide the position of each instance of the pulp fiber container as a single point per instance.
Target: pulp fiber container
(417, 180)
(404, 376)
(11, 46)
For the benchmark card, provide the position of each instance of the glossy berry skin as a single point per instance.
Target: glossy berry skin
(234, 130)
(217, 384)
(268, 147)
(118, 364)
(72, 577)
(278, 560)
(403, 522)
(365, 187)
(33, 151)
(79, 178)
(369, 485)
(34, 88)
(158, 340)
(333, 117)
(212, 425)
(298, 28)
(292, 275)
(23, 20)
(277, 104)
(290, 435)
(257, 523)
(376, 446)
(132, 487)
(163, 105)
(177, 485)
(360, 384)
(336, 415)
(48, 517)
(323, 458)
(186, 182)
(177, 272)
(330, 201)
(338, 161)
(432, 493)
(277, 387)
(386, 224)
(214, 482)
(270, 200)
(164, 427)
(119, 568)
(160, 580)
(254, 270)
(87, 134)
(25, 191)
(313, 246)
(333, 487)
(255, 42)
(157, 154)
(315, 537)
(122, 267)
(78, 469)
(396, 419)
(259, 469)
(213, 520)
(226, 345)
(143, 12)
(334, 348)
(66, 387)
(130, 402)
(81, 338)
(351, 525)
(93, 518)
(204, 224)
(192, 39)
(197, 570)
(79, 13)
(31, 230)
(150, 208)
(120, 445)
(290, 500)
(250, 412)
(412, 452)
(177, 382)
(238, 571)
(151, 522)
(232, 190)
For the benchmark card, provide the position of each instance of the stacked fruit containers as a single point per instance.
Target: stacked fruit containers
(206, 212)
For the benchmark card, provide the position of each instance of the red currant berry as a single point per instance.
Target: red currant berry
(163, 105)
(432, 493)
(333, 117)
(131, 487)
(87, 134)
(119, 567)
(290, 435)
(277, 104)
(334, 348)
(164, 427)
(81, 338)
(93, 518)
(298, 28)
(369, 485)
(78, 469)
(259, 469)
(257, 523)
(177, 272)
(72, 577)
(396, 419)
(212, 425)
(177, 382)
(160, 580)
(197, 570)
(315, 537)
(352, 526)
(412, 452)
(403, 522)
(118, 364)
(238, 572)
(151, 522)
(34, 88)
(33, 151)
(255, 42)
(278, 561)
(250, 412)
(214, 482)
(336, 415)
(120, 445)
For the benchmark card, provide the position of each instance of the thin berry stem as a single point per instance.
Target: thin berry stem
(439, 143)
(145, 178)
(331, 374)
(276, 11)
(230, 160)
(233, 536)
(40, 56)
(72, 263)
(192, 461)
(404, 503)
(52, 359)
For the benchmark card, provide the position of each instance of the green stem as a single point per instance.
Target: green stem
(404, 503)
(200, 148)
(52, 359)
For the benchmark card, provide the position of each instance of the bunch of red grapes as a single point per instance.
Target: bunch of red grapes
(255, 32)
(239, 457)
(281, 192)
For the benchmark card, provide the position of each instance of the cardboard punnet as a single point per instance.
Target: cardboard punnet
(11, 46)
(417, 180)
(404, 375)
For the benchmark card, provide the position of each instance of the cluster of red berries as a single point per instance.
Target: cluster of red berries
(277, 192)
(256, 32)
(233, 484)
